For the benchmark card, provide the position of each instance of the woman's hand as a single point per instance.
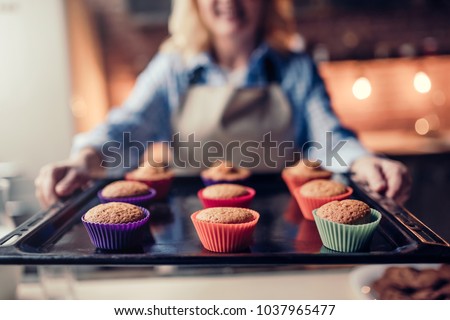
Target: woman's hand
(61, 179)
(384, 176)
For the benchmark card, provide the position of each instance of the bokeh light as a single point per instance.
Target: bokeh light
(422, 82)
(362, 88)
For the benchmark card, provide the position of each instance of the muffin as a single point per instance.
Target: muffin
(316, 193)
(345, 211)
(302, 172)
(224, 172)
(225, 215)
(347, 225)
(114, 213)
(226, 195)
(116, 225)
(322, 188)
(157, 177)
(225, 229)
(225, 191)
(127, 191)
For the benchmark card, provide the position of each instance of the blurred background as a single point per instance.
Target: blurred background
(64, 64)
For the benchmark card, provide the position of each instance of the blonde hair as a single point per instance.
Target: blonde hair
(189, 36)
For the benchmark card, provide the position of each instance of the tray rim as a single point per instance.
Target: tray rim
(417, 252)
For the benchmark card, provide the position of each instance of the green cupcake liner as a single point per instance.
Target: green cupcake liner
(345, 237)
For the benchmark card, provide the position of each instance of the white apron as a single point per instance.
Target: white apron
(238, 118)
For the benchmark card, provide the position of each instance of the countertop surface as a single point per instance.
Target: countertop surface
(290, 285)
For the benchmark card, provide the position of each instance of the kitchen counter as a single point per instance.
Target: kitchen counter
(304, 284)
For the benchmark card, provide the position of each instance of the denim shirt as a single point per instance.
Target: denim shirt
(160, 89)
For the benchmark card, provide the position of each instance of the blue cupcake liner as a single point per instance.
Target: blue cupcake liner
(119, 236)
(138, 200)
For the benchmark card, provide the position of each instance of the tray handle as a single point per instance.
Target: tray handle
(15, 235)
(41, 217)
(408, 220)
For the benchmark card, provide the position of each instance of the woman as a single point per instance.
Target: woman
(227, 72)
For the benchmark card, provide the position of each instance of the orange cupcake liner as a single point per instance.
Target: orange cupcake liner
(237, 202)
(162, 186)
(308, 204)
(221, 237)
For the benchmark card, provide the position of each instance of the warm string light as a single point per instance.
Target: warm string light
(362, 88)
(428, 124)
(422, 82)
(422, 126)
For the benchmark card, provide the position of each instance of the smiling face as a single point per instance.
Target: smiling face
(238, 19)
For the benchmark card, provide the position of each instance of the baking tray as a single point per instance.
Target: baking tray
(282, 236)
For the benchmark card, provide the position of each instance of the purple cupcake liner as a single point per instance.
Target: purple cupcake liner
(117, 236)
(138, 200)
(209, 182)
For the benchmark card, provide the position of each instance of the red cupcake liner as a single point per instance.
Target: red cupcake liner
(308, 204)
(138, 200)
(237, 202)
(221, 237)
(162, 186)
(109, 236)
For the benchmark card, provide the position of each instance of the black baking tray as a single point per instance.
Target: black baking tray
(282, 236)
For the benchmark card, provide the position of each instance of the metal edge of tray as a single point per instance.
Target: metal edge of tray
(409, 221)
(428, 251)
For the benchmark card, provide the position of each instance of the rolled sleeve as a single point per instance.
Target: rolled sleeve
(144, 117)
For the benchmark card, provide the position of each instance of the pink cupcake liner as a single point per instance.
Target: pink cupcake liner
(162, 186)
(109, 236)
(138, 200)
(308, 204)
(238, 202)
(220, 237)
(209, 182)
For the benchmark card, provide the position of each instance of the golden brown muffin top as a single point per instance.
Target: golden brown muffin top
(224, 191)
(345, 211)
(322, 188)
(115, 213)
(121, 189)
(308, 169)
(225, 215)
(151, 172)
(224, 170)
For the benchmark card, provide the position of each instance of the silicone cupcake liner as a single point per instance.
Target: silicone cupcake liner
(209, 182)
(308, 204)
(220, 237)
(238, 202)
(138, 200)
(117, 236)
(345, 237)
(162, 186)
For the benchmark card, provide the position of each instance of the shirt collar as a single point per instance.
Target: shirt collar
(204, 59)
